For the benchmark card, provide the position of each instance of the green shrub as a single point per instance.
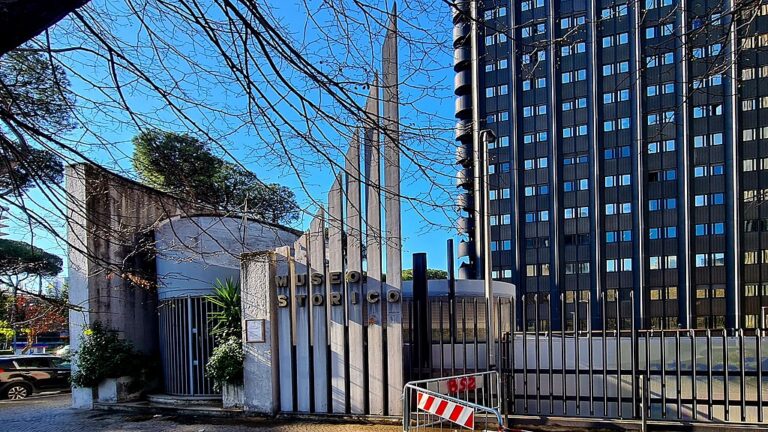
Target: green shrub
(226, 363)
(102, 354)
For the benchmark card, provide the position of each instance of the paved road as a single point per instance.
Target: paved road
(52, 414)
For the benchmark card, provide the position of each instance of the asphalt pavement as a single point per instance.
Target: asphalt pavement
(52, 413)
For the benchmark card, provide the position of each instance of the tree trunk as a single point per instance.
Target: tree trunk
(21, 20)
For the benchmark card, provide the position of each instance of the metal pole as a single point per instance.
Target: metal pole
(488, 137)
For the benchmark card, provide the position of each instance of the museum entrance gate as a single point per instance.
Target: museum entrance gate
(186, 344)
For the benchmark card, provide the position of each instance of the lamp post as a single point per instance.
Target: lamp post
(486, 137)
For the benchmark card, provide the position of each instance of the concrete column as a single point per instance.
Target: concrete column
(260, 375)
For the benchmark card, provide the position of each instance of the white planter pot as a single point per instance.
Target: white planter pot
(113, 390)
(82, 397)
(232, 396)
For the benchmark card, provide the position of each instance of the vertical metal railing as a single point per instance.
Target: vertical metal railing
(186, 345)
(674, 375)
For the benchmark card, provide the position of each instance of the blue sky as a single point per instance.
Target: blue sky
(427, 103)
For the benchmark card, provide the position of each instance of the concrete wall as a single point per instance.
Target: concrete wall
(193, 252)
(110, 223)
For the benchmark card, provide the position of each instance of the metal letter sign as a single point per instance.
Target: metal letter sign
(333, 317)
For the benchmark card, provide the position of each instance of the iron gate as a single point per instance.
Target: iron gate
(672, 376)
(186, 345)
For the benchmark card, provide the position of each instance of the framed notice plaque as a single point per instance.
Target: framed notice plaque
(254, 331)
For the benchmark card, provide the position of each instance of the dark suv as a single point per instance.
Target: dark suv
(20, 376)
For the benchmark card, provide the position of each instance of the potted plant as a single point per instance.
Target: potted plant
(225, 366)
(106, 362)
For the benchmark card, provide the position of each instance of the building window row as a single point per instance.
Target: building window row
(617, 96)
(578, 130)
(527, 58)
(717, 228)
(494, 194)
(577, 268)
(536, 190)
(540, 82)
(756, 257)
(499, 90)
(756, 41)
(615, 68)
(617, 152)
(663, 175)
(503, 219)
(755, 290)
(497, 65)
(653, 4)
(530, 111)
(715, 139)
(618, 208)
(497, 274)
(616, 124)
(756, 225)
(574, 76)
(574, 104)
(541, 216)
(754, 134)
(615, 265)
(614, 11)
(702, 111)
(576, 48)
(532, 270)
(497, 117)
(662, 233)
(537, 137)
(662, 262)
(709, 199)
(533, 30)
(500, 142)
(618, 180)
(495, 38)
(711, 170)
(660, 59)
(711, 51)
(503, 245)
(662, 204)
(576, 212)
(503, 167)
(530, 4)
(568, 22)
(615, 40)
(661, 30)
(660, 118)
(658, 89)
(710, 81)
(707, 291)
(530, 164)
(663, 293)
(754, 195)
(495, 13)
(574, 160)
(752, 73)
(716, 259)
(661, 146)
(618, 236)
(572, 185)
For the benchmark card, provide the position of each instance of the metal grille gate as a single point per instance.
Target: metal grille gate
(186, 345)
(671, 376)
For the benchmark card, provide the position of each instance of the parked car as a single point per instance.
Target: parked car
(22, 375)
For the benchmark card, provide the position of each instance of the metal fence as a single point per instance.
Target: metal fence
(186, 345)
(675, 376)
(443, 403)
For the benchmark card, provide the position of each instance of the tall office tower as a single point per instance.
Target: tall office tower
(630, 160)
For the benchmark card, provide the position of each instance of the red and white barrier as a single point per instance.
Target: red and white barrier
(451, 411)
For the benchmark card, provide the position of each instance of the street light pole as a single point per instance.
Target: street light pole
(486, 137)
